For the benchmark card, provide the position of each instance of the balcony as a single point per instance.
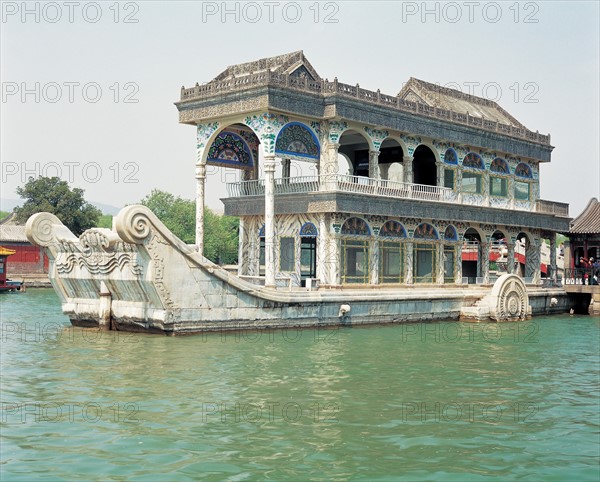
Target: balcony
(383, 188)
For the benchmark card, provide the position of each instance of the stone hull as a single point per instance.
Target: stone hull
(142, 278)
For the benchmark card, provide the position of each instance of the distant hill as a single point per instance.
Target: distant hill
(10, 204)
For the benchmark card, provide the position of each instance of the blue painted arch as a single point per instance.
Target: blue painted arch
(297, 140)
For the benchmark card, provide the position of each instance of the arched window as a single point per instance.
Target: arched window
(498, 184)
(355, 234)
(472, 180)
(391, 252)
(424, 253)
(308, 252)
(451, 158)
(523, 188)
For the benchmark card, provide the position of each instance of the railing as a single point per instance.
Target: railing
(375, 187)
(581, 276)
(551, 207)
(344, 183)
(268, 78)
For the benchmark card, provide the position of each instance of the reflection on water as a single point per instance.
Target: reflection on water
(445, 401)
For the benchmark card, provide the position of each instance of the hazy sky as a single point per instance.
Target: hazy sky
(88, 87)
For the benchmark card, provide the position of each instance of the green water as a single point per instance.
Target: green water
(442, 401)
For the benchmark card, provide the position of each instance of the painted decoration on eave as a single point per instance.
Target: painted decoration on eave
(230, 150)
(473, 161)
(450, 157)
(523, 170)
(295, 140)
(356, 227)
(499, 165)
(425, 231)
(392, 229)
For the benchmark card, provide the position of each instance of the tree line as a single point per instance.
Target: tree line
(53, 195)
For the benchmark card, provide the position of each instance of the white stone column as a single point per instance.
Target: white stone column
(243, 249)
(374, 262)
(458, 264)
(322, 255)
(441, 267)
(374, 165)
(269, 168)
(407, 162)
(553, 273)
(485, 262)
(200, 178)
(409, 263)
(329, 167)
(510, 264)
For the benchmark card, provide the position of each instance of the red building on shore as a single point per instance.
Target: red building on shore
(28, 261)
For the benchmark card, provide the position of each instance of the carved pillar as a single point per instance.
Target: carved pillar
(409, 263)
(458, 263)
(322, 247)
(243, 249)
(440, 173)
(269, 168)
(329, 167)
(552, 274)
(408, 168)
(532, 260)
(485, 262)
(441, 267)
(374, 165)
(510, 256)
(374, 262)
(458, 184)
(285, 168)
(486, 187)
(200, 178)
(511, 192)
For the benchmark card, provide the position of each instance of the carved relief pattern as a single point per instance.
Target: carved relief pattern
(377, 136)
(267, 126)
(203, 133)
(99, 253)
(513, 301)
(411, 143)
(336, 129)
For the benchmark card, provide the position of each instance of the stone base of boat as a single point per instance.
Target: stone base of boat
(142, 278)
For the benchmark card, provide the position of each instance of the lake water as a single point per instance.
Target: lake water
(444, 401)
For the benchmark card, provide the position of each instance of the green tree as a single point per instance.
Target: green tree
(53, 195)
(105, 221)
(179, 216)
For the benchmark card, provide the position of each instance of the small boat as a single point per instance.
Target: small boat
(7, 284)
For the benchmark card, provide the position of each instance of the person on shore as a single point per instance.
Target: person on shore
(595, 271)
(583, 267)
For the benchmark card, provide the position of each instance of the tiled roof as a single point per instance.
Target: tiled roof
(434, 95)
(10, 231)
(13, 233)
(588, 222)
(291, 63)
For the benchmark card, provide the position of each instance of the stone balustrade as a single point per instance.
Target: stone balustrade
(325, 87)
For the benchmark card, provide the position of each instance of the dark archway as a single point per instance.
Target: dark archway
(424, 167)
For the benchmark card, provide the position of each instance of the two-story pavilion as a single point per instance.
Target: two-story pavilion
(371, 189)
